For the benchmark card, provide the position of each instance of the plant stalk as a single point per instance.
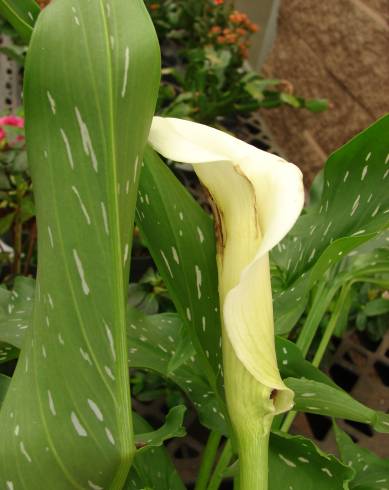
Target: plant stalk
(221, 466)
(331, 325)
(208, 460)
(253, 461)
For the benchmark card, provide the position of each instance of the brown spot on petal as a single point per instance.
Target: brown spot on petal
(220, 231)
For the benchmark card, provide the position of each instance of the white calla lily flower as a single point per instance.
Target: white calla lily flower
(256, 198)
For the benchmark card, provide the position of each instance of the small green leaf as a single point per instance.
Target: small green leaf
(173, 427)
(152, 469)
(377, 307)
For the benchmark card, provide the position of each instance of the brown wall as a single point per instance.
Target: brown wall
(337, 49)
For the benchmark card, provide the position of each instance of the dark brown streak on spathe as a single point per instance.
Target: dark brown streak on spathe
(220, 231)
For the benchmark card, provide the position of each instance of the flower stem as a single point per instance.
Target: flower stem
(253, 461)
(331, 325)
(221, 466)
(208, 460)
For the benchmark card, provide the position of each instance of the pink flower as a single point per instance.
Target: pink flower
(12, 121)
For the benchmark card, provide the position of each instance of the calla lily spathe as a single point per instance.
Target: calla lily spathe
(256, 199)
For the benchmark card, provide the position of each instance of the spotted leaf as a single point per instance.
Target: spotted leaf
(371, 472)
(296, 463)
(180, 237)
(353, 209)
(315, 397)
(91, 83)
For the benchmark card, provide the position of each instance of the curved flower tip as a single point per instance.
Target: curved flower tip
(257, 197)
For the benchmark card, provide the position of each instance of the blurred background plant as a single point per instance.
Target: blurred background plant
(206, 77)
(17, 223)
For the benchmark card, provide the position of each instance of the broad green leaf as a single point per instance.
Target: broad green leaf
(354, 208)
(22, 14)
(180, 237)
(16, 311)
(152, 342)
(173, 427)
(4, 385)
(315, 397)
(295, 463)
(91, 83)
(152, 469)
(371, 472)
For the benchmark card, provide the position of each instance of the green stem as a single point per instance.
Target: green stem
(287, 423)
(208, 460)
(322, 299)
(253, 461)
(331, 325)
(221, 466)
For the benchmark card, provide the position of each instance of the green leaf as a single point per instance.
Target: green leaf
(295, 463)
(315, 397)
(173, 427)
(153, 343)
(4, 385)
(88, 113)
(21, 14)
(181, 240)
(16, 308)
(371, 472)
(292, 363)
(6, 223)
(152, 469)
(354, 208)
(377, 307)
(316, 105)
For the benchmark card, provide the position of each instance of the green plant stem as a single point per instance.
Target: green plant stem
(322, 299)
(253, 461)
(221, 466)
(310, 333)
(331, 325)
(208, 460)
(18, 229)
(288, 421)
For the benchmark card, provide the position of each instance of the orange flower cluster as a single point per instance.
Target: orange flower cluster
(238, 34)
(154, 6)
(242, 20)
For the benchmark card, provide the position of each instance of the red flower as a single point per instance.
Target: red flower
(218, 2)
(16, 121)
